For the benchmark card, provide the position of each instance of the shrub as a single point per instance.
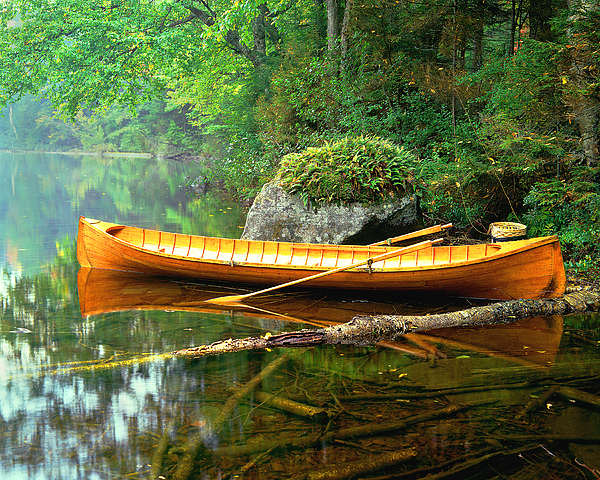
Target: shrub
(570, 207)
(360, 169)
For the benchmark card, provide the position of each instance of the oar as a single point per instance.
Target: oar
(377, 258)
(417, 234)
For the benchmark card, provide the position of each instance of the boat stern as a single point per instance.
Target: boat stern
(558, 282)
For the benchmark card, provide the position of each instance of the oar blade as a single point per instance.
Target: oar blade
(226, 300)
(411, 235)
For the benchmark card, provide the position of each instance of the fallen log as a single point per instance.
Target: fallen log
(161, 449)
(291, 406)
(537, 402)
(441, 392)
(459, 471)
(370, 330)
(579, 396)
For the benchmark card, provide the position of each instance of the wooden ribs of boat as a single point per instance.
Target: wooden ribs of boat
(530, 268)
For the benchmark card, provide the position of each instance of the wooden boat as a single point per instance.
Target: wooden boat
(530, 268)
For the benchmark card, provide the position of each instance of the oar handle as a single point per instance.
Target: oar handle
(370, 260)
(408, 236)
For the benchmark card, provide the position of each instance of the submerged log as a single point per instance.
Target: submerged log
(161, 449)
(363, 466)
(576, 395)
(342, 434)
(460, 471)
(370, 330)
(184, 468)
(292, 406)
(537, 402)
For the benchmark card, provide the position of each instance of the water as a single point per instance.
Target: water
(86, 392)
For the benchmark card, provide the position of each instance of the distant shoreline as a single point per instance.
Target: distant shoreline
(168, 156)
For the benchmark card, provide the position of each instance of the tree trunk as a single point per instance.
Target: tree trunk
(259, 30)
(346, 32)
(586, 115)
(10, 116)
(333, 23)
(585, 108)
(513, 27)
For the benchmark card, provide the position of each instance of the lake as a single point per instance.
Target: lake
(89, 390)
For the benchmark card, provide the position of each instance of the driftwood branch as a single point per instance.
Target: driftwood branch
(370, 330)
(537, 402)
(161, 449)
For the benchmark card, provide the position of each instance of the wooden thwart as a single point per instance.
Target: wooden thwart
(378, 258)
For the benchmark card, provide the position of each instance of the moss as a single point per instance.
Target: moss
(358, 169)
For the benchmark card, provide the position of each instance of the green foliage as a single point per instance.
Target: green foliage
(90, 55)
(488, 133)
(525, 87)
(318, 95)
(34, 125)
(571, 207)
(31, 124)
(354, 169)
(243, 167)
(81, 54)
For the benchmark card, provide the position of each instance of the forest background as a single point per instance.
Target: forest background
(497, 102)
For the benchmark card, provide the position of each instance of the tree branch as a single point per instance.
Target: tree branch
(370, 330)
(207, 18)
(232, 37)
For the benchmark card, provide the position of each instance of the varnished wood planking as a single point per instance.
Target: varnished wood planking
(523, 269)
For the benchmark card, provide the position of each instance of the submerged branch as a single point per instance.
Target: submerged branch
(342, 434)
(184, 468)
(370, 330)
(343, 470)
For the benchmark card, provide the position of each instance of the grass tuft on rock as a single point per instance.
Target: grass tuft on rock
(354, 169)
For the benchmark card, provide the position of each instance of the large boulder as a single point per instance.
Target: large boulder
(276, 215)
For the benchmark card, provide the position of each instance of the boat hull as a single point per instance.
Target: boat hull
(522, 269)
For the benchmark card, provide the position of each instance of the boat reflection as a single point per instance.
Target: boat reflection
(530, 342)
(533, 341)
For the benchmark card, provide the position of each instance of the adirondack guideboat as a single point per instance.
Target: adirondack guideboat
(528, 269)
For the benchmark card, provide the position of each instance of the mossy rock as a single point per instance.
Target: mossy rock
(277, 215)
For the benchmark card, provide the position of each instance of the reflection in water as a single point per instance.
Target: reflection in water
(533, 341)
(86, 392)
(43, 195)
(89, 395)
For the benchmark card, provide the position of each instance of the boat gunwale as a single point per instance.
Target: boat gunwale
(503, 249)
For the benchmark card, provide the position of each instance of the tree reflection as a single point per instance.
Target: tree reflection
(80, 397)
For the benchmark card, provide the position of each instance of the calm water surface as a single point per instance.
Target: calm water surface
(85, 392)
